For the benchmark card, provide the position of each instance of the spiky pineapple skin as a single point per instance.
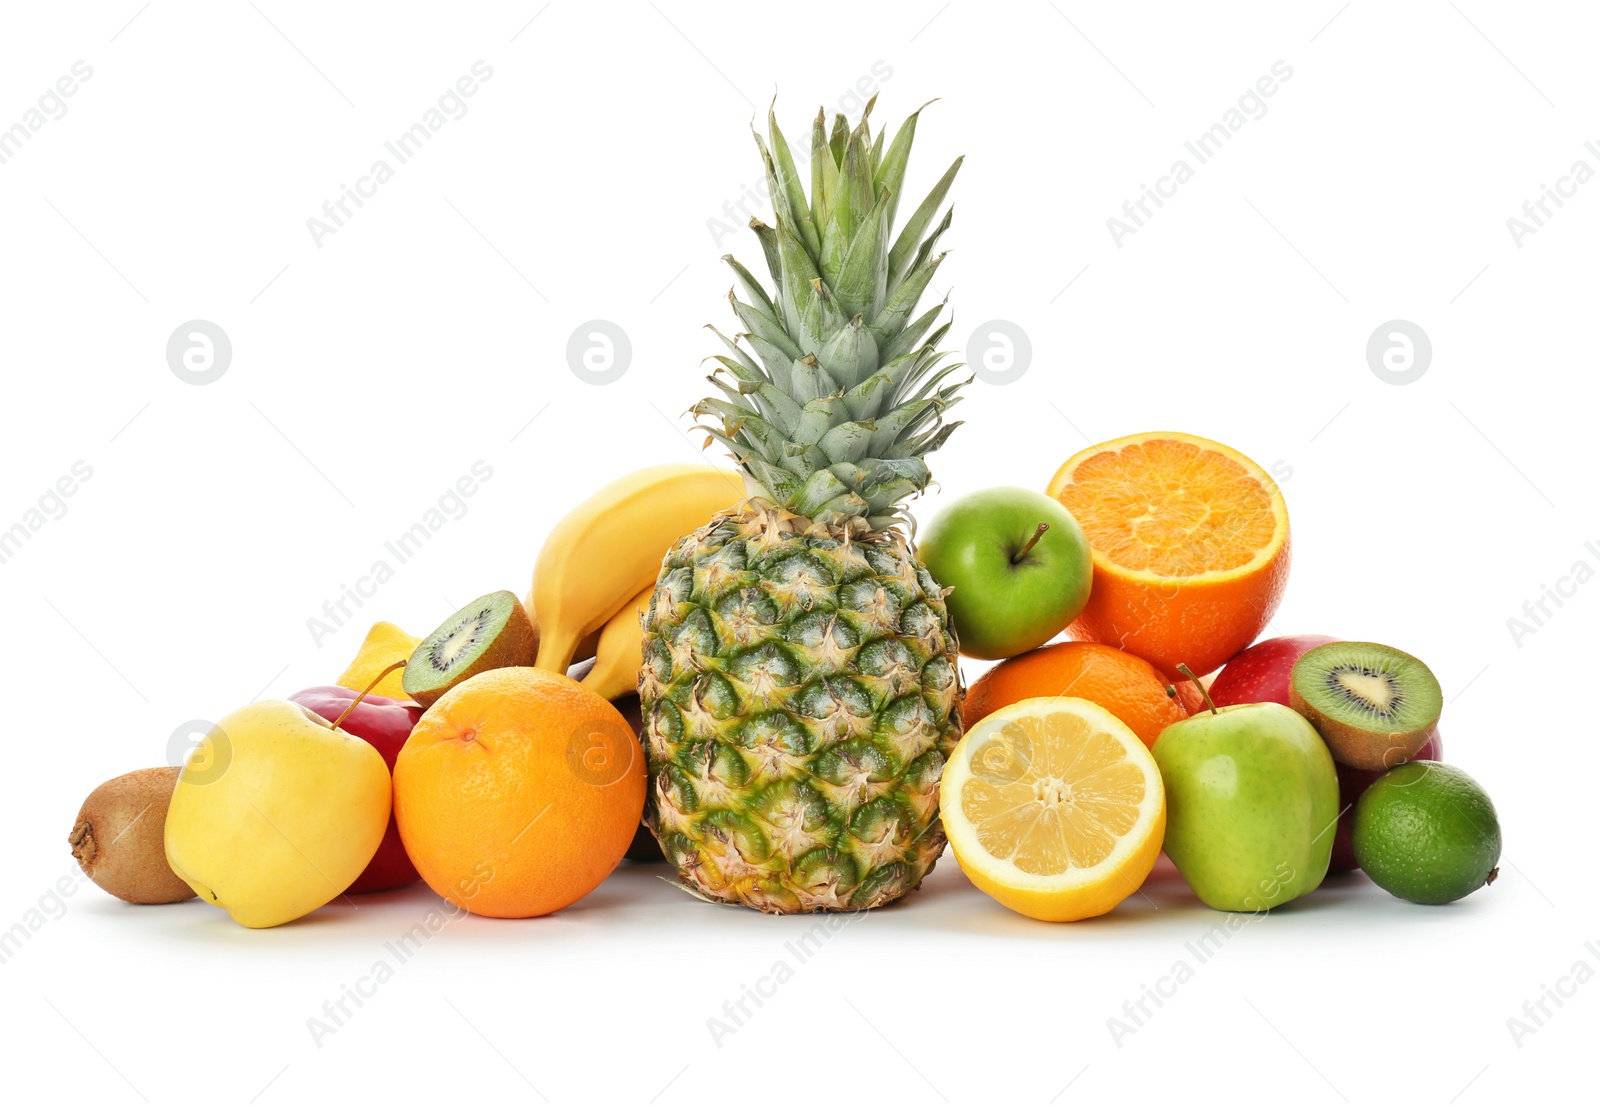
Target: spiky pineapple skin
(801, 695)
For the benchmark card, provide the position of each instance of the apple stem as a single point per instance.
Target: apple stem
(1016, 558)
(356, 702)
(1204, 694)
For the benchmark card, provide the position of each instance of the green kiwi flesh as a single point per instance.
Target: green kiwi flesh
(1375, 706)
(492, 631)
(118, 837)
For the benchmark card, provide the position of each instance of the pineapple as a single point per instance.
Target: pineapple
(799, 682)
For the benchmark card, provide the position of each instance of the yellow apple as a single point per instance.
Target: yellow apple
(276, 813)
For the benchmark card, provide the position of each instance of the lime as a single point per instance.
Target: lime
(1426, 832)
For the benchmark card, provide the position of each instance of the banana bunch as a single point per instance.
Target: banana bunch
(597, 569)
(619, 651)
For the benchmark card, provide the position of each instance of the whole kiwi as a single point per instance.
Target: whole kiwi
(118, 837)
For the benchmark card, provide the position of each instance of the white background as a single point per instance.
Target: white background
(369, 372)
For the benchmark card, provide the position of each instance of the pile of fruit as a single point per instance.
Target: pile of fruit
(754, 675)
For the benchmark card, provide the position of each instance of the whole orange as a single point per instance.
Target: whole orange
(518, 792)
(1190, 541)
(1123, 684)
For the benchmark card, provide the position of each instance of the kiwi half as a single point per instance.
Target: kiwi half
(1375, 706)
(492, 631)
(118, 837)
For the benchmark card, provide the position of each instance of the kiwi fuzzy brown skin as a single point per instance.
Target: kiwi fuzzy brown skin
(515, 646)
(1356, 746)
(118, 837)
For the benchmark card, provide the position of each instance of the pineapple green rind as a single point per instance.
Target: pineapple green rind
(800, 685)
(802, 697)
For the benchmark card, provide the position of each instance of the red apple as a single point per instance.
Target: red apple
(1260, 674)
(1352, 782)
(384, 724)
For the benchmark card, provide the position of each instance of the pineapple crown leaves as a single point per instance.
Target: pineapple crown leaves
(834, 390)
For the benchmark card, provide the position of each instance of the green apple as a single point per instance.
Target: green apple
(276, 813)
(1252, 801)
(1018, 566)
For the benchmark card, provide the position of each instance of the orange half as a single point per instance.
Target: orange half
(1190, 541)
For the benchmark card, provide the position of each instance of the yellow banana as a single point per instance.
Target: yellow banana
(621, 650)
(610, 547)
(585, 648)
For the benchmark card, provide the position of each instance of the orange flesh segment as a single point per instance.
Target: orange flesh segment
(1171, 508)
(1052, 793)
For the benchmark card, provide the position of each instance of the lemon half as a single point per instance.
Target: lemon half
(1054, 808)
